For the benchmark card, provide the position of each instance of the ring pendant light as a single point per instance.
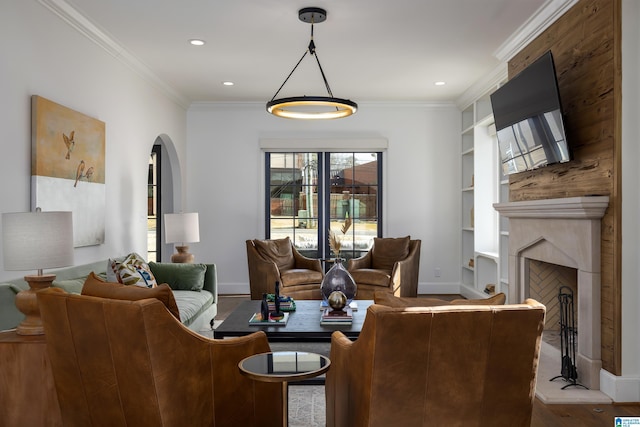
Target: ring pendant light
(311, 107)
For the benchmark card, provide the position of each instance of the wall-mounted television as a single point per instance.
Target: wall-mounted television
(528, 118)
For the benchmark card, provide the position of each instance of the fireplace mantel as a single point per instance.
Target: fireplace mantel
(564, 231)
(590, 207)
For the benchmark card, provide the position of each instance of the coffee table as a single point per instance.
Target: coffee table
(303, 324)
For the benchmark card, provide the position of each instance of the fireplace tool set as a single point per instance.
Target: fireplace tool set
(568, 332)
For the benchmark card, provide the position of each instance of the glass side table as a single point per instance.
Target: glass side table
(283, 367)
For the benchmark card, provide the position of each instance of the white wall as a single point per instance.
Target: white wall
(421, 180)
(630, 196)
(43, 55)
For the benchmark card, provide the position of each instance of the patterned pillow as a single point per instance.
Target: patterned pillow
(112, 265)
(133, 270)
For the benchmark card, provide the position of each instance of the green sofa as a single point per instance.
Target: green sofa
(197, 308)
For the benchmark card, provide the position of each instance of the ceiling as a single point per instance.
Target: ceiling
(370, 51)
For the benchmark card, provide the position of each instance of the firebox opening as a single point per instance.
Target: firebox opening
(545, 280)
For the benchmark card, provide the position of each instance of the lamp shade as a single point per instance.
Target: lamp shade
(37, 240)
(181, 228)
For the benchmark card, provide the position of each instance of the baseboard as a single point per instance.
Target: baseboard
(233, 289)
(439, 288)
(620, 388)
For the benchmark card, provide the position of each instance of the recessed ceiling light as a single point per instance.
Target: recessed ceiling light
(227, 83)
(439, 83)
(196, 42)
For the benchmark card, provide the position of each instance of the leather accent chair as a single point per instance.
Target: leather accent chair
(391, 265)
(447, 365)
(132, 363)
(384, 298)
(277, 260)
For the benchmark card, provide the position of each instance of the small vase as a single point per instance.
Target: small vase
(338, 279)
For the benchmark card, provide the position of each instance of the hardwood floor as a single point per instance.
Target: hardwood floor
(580, 415)
(543, 415)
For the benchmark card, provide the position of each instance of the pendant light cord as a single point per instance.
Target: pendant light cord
(287, 79)
(312, 50)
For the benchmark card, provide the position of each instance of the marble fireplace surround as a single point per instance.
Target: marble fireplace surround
(564, 231)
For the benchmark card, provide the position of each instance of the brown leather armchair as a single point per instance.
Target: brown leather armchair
(384, 298)
(391, 265)
(277, 260)
(133, 363)
(446, 365)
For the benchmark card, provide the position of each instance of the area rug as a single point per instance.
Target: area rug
(306, 406)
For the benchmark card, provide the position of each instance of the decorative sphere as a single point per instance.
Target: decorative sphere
(337, 300)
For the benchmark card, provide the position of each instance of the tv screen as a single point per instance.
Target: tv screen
(528, 118)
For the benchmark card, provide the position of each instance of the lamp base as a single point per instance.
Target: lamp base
(183, 256)
(27, 303)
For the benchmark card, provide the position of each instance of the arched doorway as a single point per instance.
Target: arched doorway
(163, 195)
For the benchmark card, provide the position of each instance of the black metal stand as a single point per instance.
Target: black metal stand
(568, 333)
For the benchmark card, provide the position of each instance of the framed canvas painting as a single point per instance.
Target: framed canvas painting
(68, 167)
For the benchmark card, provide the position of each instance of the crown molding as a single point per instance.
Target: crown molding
(533, 27)
(483, 86)
(85, 27)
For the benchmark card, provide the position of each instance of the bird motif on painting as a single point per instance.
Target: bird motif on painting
(70, 143)
(89, 173)
(79, 172)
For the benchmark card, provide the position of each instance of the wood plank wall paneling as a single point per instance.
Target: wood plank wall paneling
(586, 43)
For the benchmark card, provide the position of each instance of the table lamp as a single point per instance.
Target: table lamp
(182, 228)
(34, 241)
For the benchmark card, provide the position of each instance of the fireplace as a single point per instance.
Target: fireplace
(565, 232)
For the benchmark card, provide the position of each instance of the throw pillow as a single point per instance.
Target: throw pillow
(96, 287)
(277, 250)
(134, 270)
(386, 251)
(112, 267)
(182, 277)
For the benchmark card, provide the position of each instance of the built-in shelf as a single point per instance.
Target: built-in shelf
(491, 255)
(485, 120)
(484, 234)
